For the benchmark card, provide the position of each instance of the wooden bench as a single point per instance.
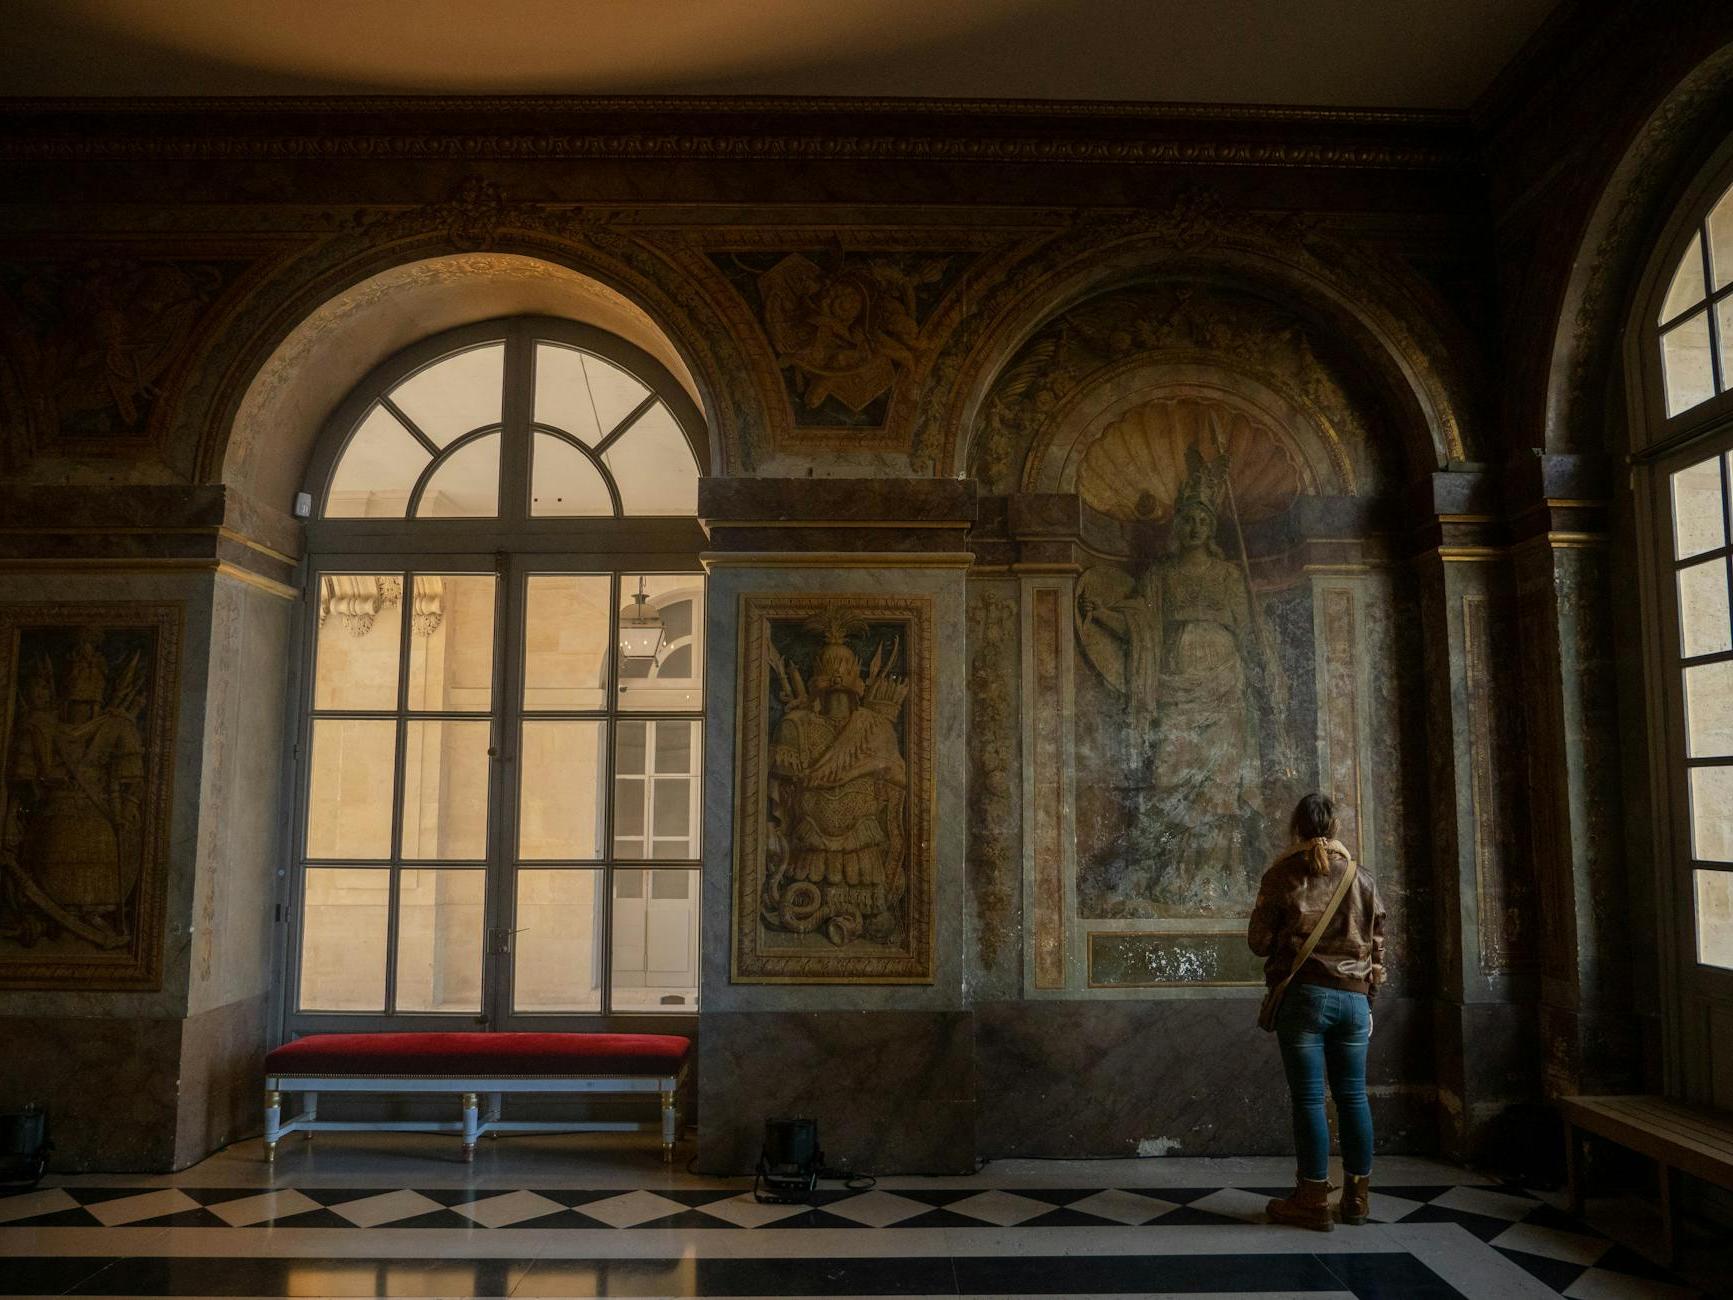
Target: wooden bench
(1677, 1137)
(470, 1066)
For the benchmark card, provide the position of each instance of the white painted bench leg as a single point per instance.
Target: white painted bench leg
(495, 1106)
(670, 1123)
(273, 1123)
(310, 1111)
(471, 1125)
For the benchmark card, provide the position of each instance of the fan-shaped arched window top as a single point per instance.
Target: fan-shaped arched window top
(597, 439)
(1695, 319)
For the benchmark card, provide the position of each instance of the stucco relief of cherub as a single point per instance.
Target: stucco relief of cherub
(843, 330)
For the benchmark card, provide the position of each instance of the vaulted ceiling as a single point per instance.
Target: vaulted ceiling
(1409, 54)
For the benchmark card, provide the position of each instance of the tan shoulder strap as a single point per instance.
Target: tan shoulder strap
(1323, 922)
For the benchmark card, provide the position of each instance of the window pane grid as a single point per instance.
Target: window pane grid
(431, 959)
(531, 988)
(355, 613)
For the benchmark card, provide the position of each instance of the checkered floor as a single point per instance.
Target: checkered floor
(1563, 1255)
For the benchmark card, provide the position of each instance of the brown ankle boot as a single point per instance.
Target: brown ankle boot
(1307, 1207)
(1356, 1198)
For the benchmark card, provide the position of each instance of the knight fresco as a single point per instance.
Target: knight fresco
(835, 875)
(79, 812)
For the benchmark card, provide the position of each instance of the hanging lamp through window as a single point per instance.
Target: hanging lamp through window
(640, 627)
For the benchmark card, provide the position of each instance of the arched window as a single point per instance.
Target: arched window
(1682, 442)
(500, 749)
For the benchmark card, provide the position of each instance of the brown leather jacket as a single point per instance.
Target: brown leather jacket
(1350, 955)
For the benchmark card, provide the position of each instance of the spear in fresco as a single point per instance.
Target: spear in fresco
(1274, 682)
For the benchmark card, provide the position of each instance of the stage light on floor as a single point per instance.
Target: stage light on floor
(789, 1166)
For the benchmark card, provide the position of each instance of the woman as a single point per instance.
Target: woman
(1325, 1019)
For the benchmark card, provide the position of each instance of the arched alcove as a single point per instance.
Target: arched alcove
(294, 391)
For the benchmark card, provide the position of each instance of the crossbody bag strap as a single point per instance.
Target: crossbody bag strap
(1323, 921)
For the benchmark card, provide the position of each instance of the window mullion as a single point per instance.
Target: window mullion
(610, 782)
(406, 603)
(517, 405)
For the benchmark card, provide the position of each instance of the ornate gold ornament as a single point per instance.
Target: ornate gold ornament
(833, 865)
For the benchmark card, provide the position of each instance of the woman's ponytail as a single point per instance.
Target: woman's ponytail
(1314, 827)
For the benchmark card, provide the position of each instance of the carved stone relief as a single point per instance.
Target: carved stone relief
(87, 736)
(833, 872)
(845, 326)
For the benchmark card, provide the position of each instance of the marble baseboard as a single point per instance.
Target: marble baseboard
(137, 1095)
(222, 1078)
(111, 1088)
(893, 1091)
(1198, 1078)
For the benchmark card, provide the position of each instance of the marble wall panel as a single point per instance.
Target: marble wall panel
(1192, 1077)
(893, 1091)
(110, 1085)
(950, 818)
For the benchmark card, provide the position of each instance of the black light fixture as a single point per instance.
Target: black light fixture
(640, 627)
(789, 1167)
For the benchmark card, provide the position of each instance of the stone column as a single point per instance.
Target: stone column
(887, 1069)
(1567, 613)
(1485, 900)
(154, 1076)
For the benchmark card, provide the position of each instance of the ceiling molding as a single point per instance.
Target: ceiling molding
(730, 128)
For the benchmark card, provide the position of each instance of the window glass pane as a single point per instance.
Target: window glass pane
(1715, 918)
(1703, 614)
(1698, 522)
(1720, 225)
(655, 959)
(1686, 289)
(674, 680)
(1685, 364)
(566, 641)
(563, 393)
(377, 470)
(451, 642)
(466, 486)
(561, 772)
(1709, 709)
(445, 768)
(565, 483)
(615, 393)
(653, 467)
(350, 788)
(343, 923)
(455, 396)
(439, 939)
(360, 626)
(1712, 814)
(555, 964)
(631, 790)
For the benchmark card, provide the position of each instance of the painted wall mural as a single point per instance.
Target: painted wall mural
(1182, 638)
(833, 863)
(87, 739)
(1213, 657)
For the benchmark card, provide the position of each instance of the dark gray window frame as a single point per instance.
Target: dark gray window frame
(512, 547)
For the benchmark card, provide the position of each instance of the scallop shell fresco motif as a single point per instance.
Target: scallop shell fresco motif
(1135, 468)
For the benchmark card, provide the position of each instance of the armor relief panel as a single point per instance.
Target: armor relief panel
(87, 728)
(834, 873)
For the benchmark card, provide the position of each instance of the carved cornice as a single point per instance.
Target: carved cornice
(725, 129)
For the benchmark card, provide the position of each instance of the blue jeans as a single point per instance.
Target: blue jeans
(1326, 1030)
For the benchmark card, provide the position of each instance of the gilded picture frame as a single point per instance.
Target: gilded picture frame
(87, 722)
(834, 874)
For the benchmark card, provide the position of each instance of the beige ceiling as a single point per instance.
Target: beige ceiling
(1382, 53)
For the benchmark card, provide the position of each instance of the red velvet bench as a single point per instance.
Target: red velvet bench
(469, 1065)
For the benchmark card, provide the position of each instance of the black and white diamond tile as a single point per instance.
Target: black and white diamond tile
(1566, 1256)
